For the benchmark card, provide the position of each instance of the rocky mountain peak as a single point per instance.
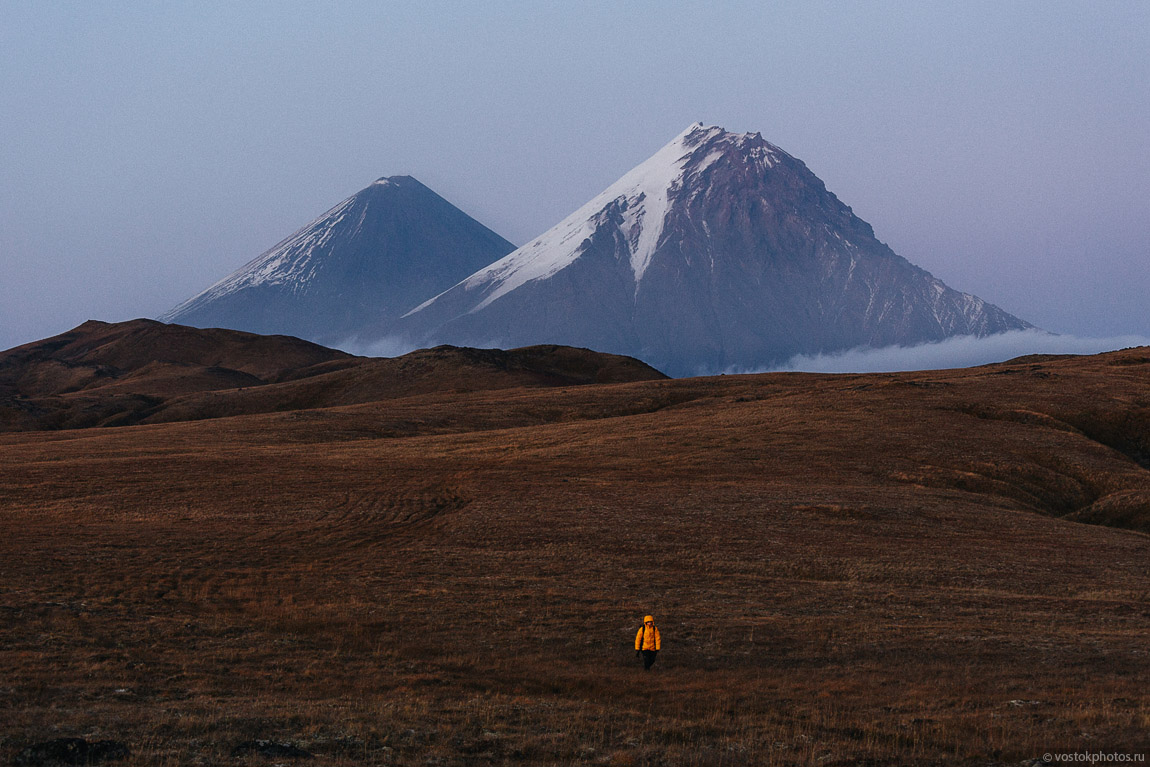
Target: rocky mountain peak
(720, 251)
(367, 260)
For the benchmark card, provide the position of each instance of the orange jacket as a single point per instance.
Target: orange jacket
(648, 640)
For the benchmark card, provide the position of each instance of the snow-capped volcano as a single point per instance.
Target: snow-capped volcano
(366, 261)
(719, 251)
(642, 197)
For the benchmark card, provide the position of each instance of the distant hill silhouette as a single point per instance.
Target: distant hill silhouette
(143, 371)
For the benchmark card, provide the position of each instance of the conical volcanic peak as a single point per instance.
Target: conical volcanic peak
(366, 261)
(641, 198)
(719, 251)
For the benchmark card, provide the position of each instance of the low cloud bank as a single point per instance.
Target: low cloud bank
(957, 352)
(397, 346)
(390, 346)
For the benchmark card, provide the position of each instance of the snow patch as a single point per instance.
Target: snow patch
(290, 262)
(643, 196)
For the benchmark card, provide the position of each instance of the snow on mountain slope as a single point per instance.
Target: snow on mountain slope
(291, 262)
(643, 194)
(720, 250)
(363, 262)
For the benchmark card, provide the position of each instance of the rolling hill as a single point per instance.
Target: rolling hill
(143, 371)
(944, 567)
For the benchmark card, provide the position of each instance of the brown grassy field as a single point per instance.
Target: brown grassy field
(913, 569)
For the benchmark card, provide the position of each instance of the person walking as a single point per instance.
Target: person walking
(648, 642)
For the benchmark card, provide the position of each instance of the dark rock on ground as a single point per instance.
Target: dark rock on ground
(71, 751)
(272, 749)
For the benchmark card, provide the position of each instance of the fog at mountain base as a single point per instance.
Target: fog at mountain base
(958, 352)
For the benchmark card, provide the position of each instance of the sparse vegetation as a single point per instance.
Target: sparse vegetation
(847, 570)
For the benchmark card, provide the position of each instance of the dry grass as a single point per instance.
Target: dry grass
(846, 570)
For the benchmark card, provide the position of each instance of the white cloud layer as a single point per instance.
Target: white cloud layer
(957, 352)
(389, 346)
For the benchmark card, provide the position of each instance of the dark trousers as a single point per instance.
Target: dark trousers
(649, 659)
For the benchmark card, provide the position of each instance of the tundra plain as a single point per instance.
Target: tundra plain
(946, 567)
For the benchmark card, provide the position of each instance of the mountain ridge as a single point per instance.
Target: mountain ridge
(720, 250)
(367, 259)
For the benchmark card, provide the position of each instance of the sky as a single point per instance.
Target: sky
(149, 149)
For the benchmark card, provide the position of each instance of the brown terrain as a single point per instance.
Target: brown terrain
(443, 559)
(105, 374)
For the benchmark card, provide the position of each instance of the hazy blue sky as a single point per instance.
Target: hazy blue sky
(148, 149)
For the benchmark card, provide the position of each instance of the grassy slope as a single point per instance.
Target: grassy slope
(873, 567)
(142, 371)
